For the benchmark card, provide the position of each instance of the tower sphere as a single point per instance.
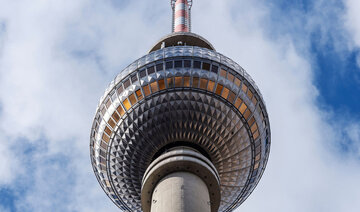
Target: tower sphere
(182, 94)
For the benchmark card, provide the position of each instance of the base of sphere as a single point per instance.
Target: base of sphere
(181, 180)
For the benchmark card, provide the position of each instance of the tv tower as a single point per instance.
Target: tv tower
(182, 129)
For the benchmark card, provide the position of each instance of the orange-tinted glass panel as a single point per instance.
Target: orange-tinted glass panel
(243, 108)
(139, 94)
(146, 90)
(186, 81)
(203, 83)
(107, 130)
(257, 157)
(250, 94)
(223, 73)
(254, 100)
(238, 102)
(126, 104)
(106, 138)
(244, 88)
(162, 84)
(225, 93)
(219, 88)
(231, 97)
(247, 114)
(211, 86)
(256, 166)
(254, 127)
(251, 121)
(120, 110)
(111, 123)
(132, 99)
(154, 87)
(195, 82)
(115, 116)
(237, 82)
(170, 83)
(256, 134)
(178, 81)
(230, 77)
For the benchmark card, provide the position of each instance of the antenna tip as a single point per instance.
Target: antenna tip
(188, 2)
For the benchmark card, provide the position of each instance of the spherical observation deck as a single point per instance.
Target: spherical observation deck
(180, 96)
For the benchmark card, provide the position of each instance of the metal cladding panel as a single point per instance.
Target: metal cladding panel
(174, 94)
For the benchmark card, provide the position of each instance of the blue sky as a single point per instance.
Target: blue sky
(57, 57)
(335, 67)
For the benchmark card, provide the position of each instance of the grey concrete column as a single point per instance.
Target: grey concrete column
(181, 180)
(181, 192)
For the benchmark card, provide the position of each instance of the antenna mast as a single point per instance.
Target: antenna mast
(181, 18)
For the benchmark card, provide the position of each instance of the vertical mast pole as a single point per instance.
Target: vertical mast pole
(181, 15)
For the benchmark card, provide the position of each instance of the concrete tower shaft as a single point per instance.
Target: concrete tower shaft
(181, 15)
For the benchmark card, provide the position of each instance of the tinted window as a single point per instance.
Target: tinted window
(206, 66)
(159, 67)
(151, 70)
(169, 65)
(142, 73)
(187, 63)
(127, 83)
(214, 69)
(178, 64)
(197, 64)
(134, 78)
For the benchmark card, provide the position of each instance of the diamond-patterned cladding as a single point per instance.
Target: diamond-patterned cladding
(222, 113)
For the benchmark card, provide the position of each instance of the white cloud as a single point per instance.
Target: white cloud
(47, 94)
(58, 57)
(352, 24)
(352, 132)
(8, 162)
(352, 19)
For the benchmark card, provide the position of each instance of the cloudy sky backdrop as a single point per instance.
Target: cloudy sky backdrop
(57, 57)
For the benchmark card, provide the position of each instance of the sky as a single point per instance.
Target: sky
(57, 58)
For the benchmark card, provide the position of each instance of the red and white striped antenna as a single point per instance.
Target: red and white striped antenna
(181, 20)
